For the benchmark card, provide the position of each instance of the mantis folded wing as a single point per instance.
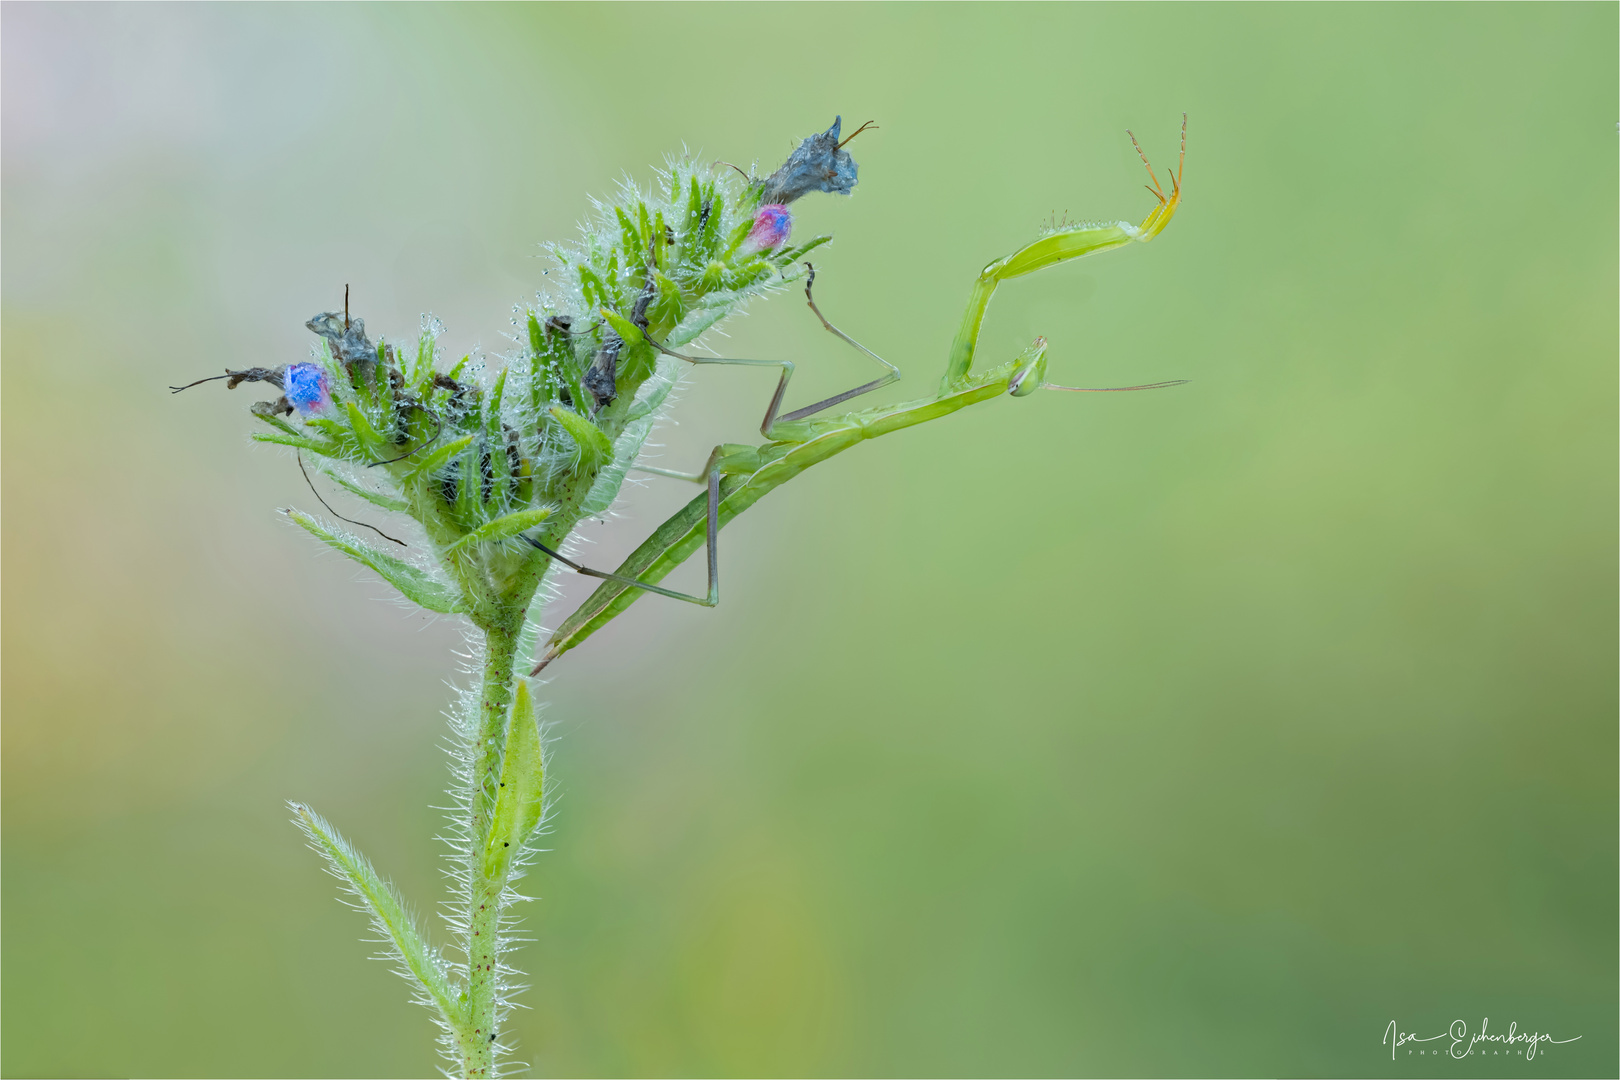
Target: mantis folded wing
(737, 475)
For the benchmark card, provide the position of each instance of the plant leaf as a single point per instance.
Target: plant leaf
(369, 436)
(501, 528)
(698, 320)
(437, 460)
(314, 446)
(279, 424)
(627, 330)
(416, 585)
(420, 962)
(375, 498)
(593, 445)
(783, 258)
(520, 803)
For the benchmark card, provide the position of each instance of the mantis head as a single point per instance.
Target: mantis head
(1029, 372)
(1029, 375)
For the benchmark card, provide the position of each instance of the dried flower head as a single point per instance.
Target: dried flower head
(816, 165)
(346, 336)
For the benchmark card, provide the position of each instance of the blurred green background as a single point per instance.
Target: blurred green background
(1195, 732)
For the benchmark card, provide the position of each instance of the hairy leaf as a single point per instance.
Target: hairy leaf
(520, 803)
(500, 528)
(416, 585)
(422, 964)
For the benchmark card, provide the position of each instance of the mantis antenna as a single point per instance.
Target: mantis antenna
(299, 456)
(1112, 389)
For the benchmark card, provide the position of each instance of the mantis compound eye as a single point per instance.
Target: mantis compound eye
(1031, 370)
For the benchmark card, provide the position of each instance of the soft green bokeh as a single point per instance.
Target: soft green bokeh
(1196, 732)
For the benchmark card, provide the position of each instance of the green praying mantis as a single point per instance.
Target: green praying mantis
(738, 475)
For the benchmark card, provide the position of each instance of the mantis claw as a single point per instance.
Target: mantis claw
(1155, 222)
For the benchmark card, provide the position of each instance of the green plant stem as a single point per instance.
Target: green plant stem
(484, 899)
(495, 702)
(478, 1048)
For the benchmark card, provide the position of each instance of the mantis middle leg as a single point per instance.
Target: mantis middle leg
(772, 412)
(715, 467)
(713, 596)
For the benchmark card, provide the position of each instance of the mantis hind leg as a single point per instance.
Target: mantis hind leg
(773, 411)
(726, 460)
(720, 461)
(711, 536)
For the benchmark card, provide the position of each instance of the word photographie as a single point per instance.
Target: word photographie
(1462, 1044)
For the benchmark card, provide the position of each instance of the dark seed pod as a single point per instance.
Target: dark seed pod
(599, 382)
(346, 336)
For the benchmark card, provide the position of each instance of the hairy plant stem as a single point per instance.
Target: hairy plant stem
(495, 701)
(484, 899)
(482, 958)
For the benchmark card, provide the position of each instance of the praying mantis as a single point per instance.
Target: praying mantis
(737, 475)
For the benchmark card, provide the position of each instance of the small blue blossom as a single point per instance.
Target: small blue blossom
(307, 388)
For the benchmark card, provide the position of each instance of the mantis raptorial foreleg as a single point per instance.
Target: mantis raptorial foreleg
(739, 476)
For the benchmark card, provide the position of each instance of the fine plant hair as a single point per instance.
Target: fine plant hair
(497, 461)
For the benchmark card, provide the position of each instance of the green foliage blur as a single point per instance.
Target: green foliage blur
(1197, 732)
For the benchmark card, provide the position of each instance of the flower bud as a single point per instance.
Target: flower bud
(772, 224)
(307, 388)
